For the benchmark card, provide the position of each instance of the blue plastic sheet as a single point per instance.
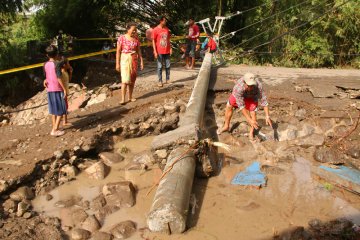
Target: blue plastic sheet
(252, 176)
(346, 173)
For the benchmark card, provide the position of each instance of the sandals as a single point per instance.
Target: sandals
(57, 133)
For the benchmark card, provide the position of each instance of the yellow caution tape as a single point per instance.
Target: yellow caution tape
(176, 38)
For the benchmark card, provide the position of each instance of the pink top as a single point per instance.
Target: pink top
(128, 46)
(52, 72)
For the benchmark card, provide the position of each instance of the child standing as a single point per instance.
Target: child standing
(55, 90)
(66, 74)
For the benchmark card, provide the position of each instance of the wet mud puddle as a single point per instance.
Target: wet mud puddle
(72, 194)
(221, 210)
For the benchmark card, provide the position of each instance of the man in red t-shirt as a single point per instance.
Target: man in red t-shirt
(162, 49)
(193, 36)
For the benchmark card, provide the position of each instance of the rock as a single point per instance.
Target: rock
(22, 208)
(69, 202)
(49, 197)
(145, 125)
(115, 86)
(80, 234)
(327, 155)
(119, 194)
(102, 213)
(98, 203)
(101, 236)
(143, 158)
(294, 232)
(162, 153)
(97, 171)
(288, 135)
(78, 216)
(22, 193)
(91, 224)
(315, 223)
(160, 111)
(340, 130)
(3, 185)
(354, 152)
(123, 230)
(133, 127)
(135, 166)
(96, 99)
(312, 140)
(171, 108)
(68, 173)
(58, 154)
(27, 215)
(73, 160)
(170, 123)
(9, 205)
(111, 158)
(300, 114)
(78, 102)
(306, 130)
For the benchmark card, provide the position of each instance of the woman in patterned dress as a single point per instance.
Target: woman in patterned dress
(127, 54)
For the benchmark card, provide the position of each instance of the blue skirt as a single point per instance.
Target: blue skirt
(57, 104)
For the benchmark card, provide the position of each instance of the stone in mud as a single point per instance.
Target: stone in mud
(22, 193)
(143, 158)
(48, 197)
(145, 125)
(58, 154)
(162, 153)
(27, 215)
(105, 211)
(80, 234)
(120, 194)
(328, 155)
(68, 202)
(9, 205)
(354, 152)
(123, 230)
(97, 171)
(78, 216)
(101, 236)
(288, 134)
(96, 99)
(111, 158)
(170, 123)
(340, 130)
(250, 206)
(135, 166)
(68, 173)
(171, 108)
(295, 232)
(133, 127)
(160, 111)
(22, 208)
(91, 224)
(3, 185)
(306, 130)
(300, 114)
(312, 140)
(272, 170)
(98, 203)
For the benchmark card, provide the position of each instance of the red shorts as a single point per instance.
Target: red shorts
(250, 104)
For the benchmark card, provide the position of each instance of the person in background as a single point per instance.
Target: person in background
(127, 54)
(149, 43)
(106, 47)
(209, 45)
(247, 93)
(55, 90)
(66, 75)
(193, 35)
(60, 41)
(162, 49)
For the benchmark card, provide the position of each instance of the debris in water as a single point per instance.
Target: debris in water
(252, 176)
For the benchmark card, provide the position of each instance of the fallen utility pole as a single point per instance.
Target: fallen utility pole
(169, 210)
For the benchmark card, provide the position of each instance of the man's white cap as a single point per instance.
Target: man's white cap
(249, 79)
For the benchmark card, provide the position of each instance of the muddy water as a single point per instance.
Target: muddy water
(223, 211)
(88, 189)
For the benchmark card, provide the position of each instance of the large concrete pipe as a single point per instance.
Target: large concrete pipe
(171, 202)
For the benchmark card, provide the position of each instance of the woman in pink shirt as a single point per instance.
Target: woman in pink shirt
(127, 54)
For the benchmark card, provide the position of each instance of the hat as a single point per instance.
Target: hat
(249, 79)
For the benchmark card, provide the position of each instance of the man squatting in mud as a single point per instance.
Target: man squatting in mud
(246, 95)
